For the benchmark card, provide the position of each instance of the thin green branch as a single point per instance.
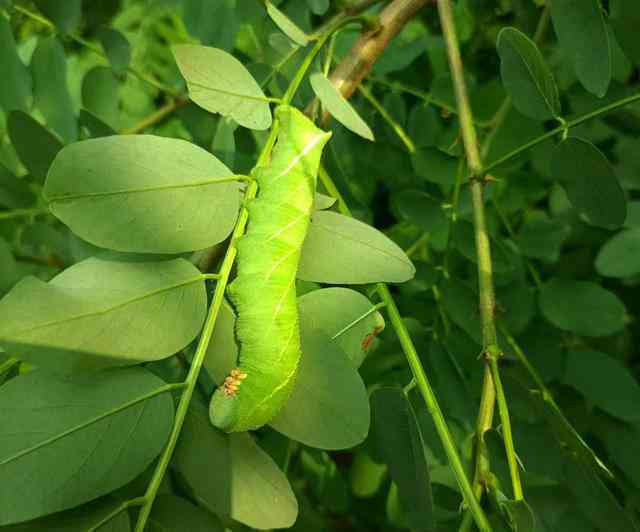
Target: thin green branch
(483, 250)
(622, 102)
(8, 364)
(22, 213)
(421, 379)
(156, 117)
(131, 503)
(397, 128)
(507, 435)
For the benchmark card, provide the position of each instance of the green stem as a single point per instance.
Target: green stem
(507, 434)
(483, 250)
(559, 129)
(117, 511)
(421, 379)
(397, 128)
(434, 408)
(196, 364)
(308, 60)
(22, 213)
(8, 364)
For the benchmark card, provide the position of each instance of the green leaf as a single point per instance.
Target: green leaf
(526, 77)
(625, 19)
(222, 352)
(143, 193)
(52, 98)
(15, 89)
(65, 15)
(582, 307)
(605, 383)
(329, 407)
(286, 25)
(175, 514)
(542, 238)
(338, 106)
(420, 209)
(620, 255)
(365, 475)
(83, 518)
(435, 166)
(100, 95)
(9, 273)
(223, 144)
(323, 201)
(67, 441)
(595, 500)
(583, 36)
(398, 439)
(520, 514)
(14, 192)
(590, 182)
(219, 83)
(101, 313)
(345, 316)
(360, 254)
(93, 125)
(231, 476)
(117, 49)
(318, 7)
(34, 144)
(214, 23)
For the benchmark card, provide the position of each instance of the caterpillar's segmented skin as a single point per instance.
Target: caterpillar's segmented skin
(264, 292)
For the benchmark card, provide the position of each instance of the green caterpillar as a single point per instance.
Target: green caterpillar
(264, 292)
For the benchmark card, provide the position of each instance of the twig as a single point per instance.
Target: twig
(491, 348)
(156, 117)
(358, 62)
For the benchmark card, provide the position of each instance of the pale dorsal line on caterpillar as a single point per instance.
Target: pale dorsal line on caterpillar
(264, 290)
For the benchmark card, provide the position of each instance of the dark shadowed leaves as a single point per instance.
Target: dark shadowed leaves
(35, 145)
(590, 182)
(526, 76)
(398, 440)
(583, 36)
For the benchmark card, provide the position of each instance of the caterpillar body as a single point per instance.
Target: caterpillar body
(264, 291)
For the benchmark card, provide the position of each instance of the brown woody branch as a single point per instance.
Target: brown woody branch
(359, 61)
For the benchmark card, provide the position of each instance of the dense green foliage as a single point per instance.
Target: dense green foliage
(133, 134)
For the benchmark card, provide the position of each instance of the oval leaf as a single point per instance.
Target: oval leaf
(399, 442)
(100, 95)
(219, 83)
(338, 106)
(583, 36)
(605, 383)
(347, 317)
(420, 209)
(526, 76)
(286, 25)
(360, 254)
(231, 476)
(52, 98)
(329, 407)
(625, 20)
(101, 313)
(15, 89)
(66, 15)
(620, 255)
(35, 145)
(590, 183)
(582, 307)
(117, 48)
(143, 193)
(68, 441)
